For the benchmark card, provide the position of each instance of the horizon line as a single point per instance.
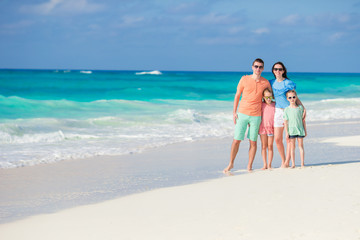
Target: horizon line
(135, 70)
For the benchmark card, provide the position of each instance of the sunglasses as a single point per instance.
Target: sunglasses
(278, 69)
(293, 97)
(268, 98)
(257, 66)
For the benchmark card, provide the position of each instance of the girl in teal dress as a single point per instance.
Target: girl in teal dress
(295, 127)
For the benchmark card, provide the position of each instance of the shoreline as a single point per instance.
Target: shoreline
(322, 123)
(50, 188)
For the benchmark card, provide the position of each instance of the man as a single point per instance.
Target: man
(251, 88)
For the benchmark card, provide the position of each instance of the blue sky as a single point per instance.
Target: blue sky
(203, 35)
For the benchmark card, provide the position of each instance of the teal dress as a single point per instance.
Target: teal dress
(295, 121)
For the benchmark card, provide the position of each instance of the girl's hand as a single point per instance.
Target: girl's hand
(235, 117)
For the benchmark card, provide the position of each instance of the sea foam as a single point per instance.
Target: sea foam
(52, 140)
(155, 72)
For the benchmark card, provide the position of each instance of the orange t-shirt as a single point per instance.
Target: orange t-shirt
(252, 92)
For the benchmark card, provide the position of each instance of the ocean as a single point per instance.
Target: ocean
(53, 115)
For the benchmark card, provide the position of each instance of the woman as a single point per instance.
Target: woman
(280, 85)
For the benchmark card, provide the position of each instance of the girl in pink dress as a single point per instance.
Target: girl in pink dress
(266, 130)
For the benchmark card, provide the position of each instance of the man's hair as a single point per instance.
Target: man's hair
(259, 60)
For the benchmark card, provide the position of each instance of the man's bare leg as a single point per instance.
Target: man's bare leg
(234, 150)
(252, 152)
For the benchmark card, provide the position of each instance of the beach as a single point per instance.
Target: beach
(121, 121)
(192, 198)
(127, 155)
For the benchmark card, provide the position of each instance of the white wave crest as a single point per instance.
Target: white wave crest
(333, 109)
(341, 100)
(86, 72)
(51, 137)
(155, 72)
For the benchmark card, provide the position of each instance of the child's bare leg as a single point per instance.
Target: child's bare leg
(302, 151)
(292, 152)
(264, 145)
(234, 150)
(288, 152)
(270, 150)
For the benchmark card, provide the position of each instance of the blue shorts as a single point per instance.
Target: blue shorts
(295, 136)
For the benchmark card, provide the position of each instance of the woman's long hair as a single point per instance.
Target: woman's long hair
(283, 66)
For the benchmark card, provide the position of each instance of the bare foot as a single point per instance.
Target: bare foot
(229, 173)
(264, 168)
(270, 167)
(228, 168)
(293, 166)
(249, 170)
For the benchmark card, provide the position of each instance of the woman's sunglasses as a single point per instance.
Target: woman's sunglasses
(268, 98)
(293, 97)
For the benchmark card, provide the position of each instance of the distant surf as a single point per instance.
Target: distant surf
(155, 72)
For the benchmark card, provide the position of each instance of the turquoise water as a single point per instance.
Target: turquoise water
(52, 115)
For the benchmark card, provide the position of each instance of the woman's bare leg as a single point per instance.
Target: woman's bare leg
(278, 135)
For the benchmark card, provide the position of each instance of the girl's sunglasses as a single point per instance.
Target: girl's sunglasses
(293, 97)
(268, 98)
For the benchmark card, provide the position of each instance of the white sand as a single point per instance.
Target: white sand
(320, 202)
(353, 141)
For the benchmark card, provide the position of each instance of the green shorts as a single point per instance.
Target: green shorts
(241, 125)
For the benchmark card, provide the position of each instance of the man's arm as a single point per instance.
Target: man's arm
(239, 90)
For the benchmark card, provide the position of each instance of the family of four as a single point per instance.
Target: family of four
(257, 112)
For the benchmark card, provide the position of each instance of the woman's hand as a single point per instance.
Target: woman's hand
(304, 114)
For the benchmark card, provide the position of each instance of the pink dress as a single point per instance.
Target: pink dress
(267, 118)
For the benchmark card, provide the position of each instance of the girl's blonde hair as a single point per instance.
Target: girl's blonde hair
(267, 90)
